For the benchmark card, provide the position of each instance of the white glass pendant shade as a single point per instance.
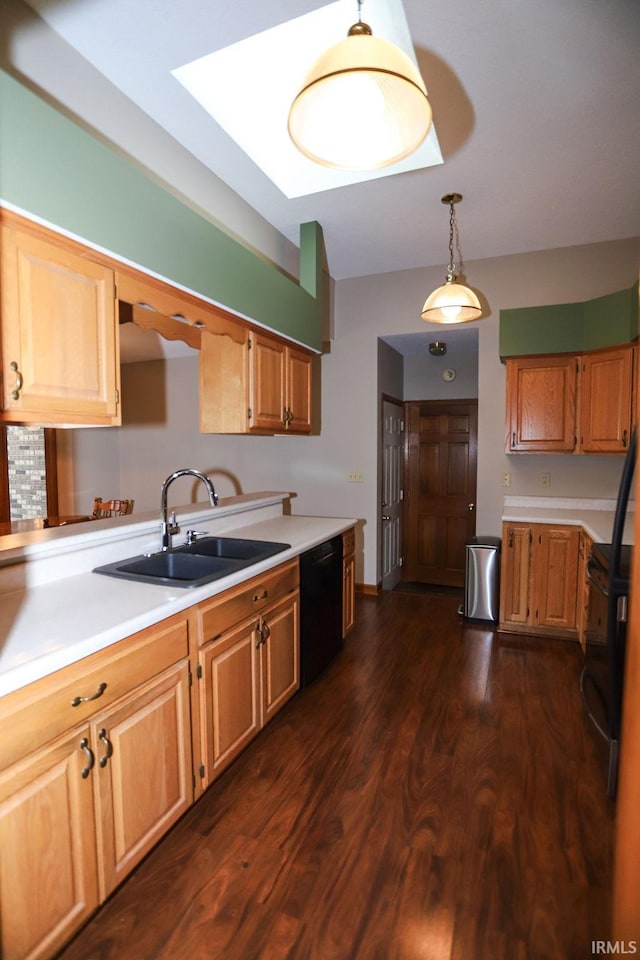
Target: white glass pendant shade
(362, 106)
(451, 303)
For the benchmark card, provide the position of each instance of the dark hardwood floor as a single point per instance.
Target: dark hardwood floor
(436, 795)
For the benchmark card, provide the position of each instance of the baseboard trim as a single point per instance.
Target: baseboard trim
(368, 589)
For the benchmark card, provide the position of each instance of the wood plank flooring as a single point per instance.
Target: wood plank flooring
(436, 795)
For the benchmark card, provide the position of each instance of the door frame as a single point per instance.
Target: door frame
(385, 398)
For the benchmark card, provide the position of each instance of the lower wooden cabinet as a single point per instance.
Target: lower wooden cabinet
(582, 608)
(100, 758)
(539, 578)
(250, 668)
(349, 581)
(111, 773)
(143, 772)
(229, 714)
(48, 860)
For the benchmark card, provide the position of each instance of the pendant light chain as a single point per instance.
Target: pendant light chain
(452, 223)
(454, 237)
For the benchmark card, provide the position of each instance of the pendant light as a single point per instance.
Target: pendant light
(453, 302)
(363, 105)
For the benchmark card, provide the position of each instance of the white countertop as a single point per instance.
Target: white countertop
(46, 627)
(595, 516)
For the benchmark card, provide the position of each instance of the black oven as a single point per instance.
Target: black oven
(606, 630)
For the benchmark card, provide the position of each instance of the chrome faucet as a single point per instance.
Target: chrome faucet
(169, 527)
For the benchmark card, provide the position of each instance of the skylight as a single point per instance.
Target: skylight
(248, 88)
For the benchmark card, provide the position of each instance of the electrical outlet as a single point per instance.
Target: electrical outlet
(506, 479)
(355, 476)
(545, 479)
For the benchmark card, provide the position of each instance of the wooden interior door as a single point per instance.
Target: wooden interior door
(442, 450)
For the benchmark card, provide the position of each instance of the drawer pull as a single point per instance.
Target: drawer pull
(108, 747)
(94, 696)
(261, 596)
(84, 745)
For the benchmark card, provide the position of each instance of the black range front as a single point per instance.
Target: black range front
(602, 679)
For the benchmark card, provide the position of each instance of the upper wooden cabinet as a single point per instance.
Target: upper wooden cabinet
(571, 404)
(541, 404)
(252, 382)
(60, 360)
(606, 404)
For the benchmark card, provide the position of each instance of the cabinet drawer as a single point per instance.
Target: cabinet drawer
(348, 542)
(246, 600)
(43, 710)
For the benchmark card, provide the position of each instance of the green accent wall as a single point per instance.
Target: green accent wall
(570, 327)
(53, 169)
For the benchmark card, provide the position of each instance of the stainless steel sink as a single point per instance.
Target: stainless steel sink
(196, 564)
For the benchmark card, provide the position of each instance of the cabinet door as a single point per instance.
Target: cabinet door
(515, 574)
(582, 607)
(606, 401)
(267, 384)
(224, 379)
(348, 594)
(279, 655)
(541, 404)
(143, 771)
(348, 581)
(48, 873)
(59, 335)
(555, 576)
(298, 401)
(229, 706)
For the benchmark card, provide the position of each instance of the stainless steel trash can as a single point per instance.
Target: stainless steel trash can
(482, 579)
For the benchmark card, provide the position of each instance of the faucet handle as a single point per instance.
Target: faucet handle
(174, 526)
(192, 535)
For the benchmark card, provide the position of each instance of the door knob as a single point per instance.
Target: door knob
(471, 506)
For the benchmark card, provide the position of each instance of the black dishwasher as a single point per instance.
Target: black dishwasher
(320, 608)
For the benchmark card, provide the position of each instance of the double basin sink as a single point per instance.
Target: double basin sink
(194, 564)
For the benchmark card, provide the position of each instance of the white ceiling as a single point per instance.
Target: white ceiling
(535, 104)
